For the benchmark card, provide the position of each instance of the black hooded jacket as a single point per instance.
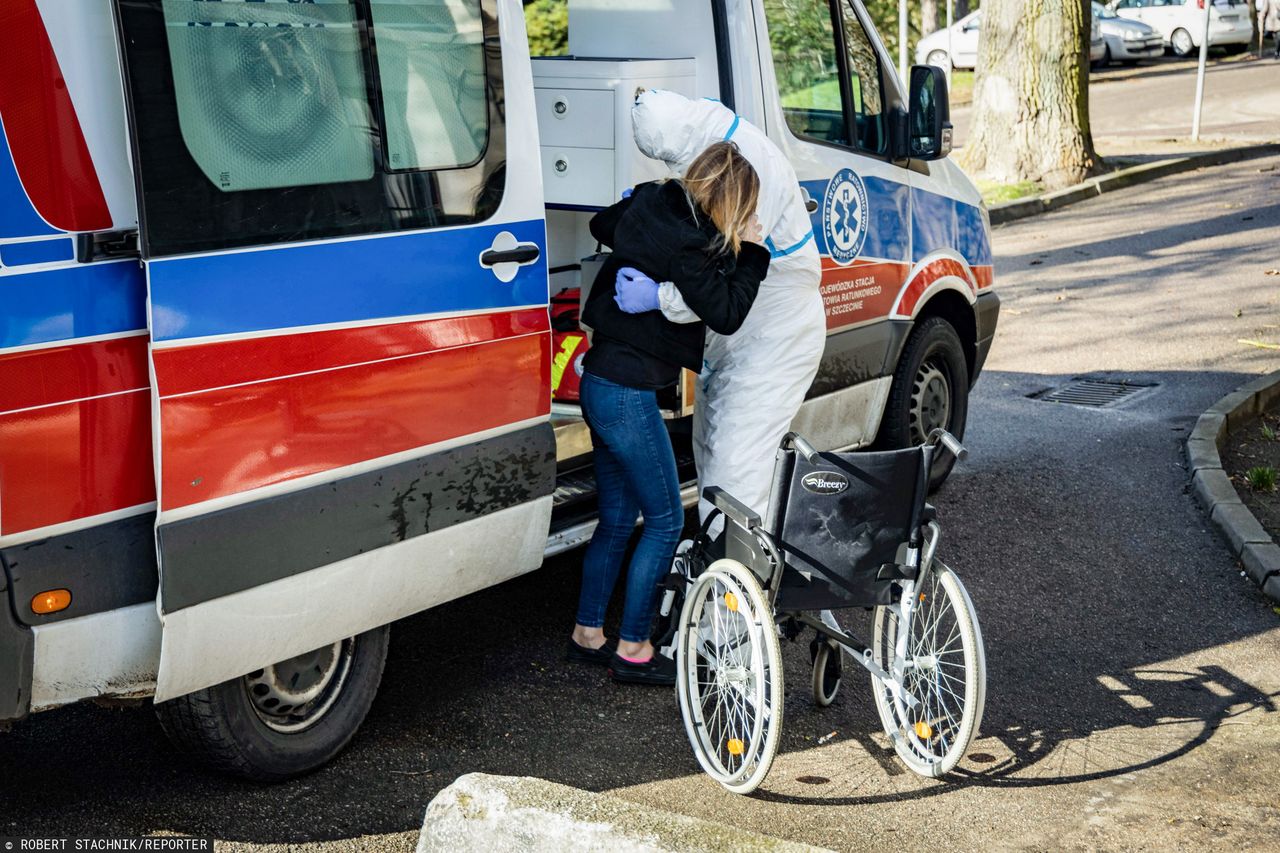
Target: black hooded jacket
(656, 231)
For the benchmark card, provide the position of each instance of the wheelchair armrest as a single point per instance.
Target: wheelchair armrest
(735, 509)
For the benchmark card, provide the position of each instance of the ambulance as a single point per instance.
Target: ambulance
(276, 291)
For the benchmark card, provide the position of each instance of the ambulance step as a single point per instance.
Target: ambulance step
(574, 486)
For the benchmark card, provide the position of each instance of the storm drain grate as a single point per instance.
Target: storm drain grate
(1095, 393)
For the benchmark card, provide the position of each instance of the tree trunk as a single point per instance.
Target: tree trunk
(929, 16)
(960, 9)
(1031, 94)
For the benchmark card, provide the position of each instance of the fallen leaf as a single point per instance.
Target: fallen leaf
(1258, 344)
(1272, 272)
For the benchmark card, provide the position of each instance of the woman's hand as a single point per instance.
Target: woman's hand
(752, 233)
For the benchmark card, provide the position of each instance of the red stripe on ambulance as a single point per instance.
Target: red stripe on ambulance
(227, 440)
(40, 123)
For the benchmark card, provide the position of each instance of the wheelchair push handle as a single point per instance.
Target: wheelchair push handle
(949, 441)
(802, 447)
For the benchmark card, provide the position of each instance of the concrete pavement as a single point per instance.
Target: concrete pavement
(1134, 674)
(1241, 102)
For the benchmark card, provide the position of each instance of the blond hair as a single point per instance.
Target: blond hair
(725, 186)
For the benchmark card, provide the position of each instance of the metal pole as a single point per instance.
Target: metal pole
(1204, 53)
(950, 62)
(902, 41)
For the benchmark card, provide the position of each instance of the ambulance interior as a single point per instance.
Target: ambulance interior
(589, 157)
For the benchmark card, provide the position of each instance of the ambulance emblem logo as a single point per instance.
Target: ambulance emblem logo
(844, 216)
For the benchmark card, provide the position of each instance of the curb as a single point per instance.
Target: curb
(480, 813)
(1011, 211)
(1249, 542)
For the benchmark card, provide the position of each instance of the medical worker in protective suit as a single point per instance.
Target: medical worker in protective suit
(752, 382)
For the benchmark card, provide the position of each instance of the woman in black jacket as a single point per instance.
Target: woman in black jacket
(701, 234)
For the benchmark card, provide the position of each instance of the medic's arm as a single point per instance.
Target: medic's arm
(673, 306)
(720, 296)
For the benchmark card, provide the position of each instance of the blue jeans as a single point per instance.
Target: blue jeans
(635, 474)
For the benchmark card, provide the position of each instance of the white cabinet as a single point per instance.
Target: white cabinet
(589, 155)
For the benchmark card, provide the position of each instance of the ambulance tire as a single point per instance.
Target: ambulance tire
(932, 365)
(223, 728)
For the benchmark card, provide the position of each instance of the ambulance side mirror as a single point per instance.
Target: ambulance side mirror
(928, 114)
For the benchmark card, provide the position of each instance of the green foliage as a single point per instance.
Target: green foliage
(1268, 432)
(548, 24)
(1261, 478)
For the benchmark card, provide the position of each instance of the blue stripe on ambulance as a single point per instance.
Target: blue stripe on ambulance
(77, 301)
(340, 282)
(17, 217)
(937, 222)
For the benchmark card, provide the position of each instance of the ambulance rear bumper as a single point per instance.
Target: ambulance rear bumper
(17, 652)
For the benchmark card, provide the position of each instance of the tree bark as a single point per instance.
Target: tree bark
(1031, 94)
(960, 9)
(929, 10)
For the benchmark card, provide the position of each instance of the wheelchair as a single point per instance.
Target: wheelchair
(843, 531)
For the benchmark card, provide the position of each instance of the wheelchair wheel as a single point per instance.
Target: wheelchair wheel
(729, 676)
(828, 668)
(945, 669)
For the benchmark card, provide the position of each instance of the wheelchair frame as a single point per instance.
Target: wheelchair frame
(749, 544)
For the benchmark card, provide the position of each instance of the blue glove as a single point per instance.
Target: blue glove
(627, 192)
(636, 293)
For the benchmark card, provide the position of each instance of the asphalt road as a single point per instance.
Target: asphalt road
(1241, 101)
(1133, 672)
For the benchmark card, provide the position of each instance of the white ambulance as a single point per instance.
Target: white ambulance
(275, 345)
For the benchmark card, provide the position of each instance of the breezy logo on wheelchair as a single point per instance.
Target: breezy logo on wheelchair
(843, 532)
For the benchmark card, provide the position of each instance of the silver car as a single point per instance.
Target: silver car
(1127, 41)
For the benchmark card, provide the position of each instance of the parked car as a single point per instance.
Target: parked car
(932, 49)
(1180, 22)
(1097, 44)
(1127, 41)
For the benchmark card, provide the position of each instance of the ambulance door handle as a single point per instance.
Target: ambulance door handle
(525, 253)
(506, 255)
(809, 204)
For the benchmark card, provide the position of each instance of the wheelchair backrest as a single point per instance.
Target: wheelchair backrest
(849, 513)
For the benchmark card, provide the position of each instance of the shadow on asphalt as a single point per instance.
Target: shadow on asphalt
(1099, 584)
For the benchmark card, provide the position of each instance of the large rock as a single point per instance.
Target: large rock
(480, 813)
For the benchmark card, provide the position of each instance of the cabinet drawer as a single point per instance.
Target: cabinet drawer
(579, 176)
(582, 118)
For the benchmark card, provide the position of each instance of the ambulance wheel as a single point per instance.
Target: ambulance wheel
(930, 390)
(285, 719)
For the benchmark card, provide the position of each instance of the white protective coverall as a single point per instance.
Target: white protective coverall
(753, 381)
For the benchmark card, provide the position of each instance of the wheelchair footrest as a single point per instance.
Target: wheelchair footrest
(896, 572)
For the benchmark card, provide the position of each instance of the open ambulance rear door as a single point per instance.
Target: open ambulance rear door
(344, 242)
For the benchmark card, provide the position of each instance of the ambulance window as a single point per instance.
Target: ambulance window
(805, 63)
(431, 73)
(867, 105)
(271, 121)
(270, 94)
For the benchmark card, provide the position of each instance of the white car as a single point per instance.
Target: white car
(1097, 44)
(1127, 41)
(963, 44)
(932, 49)
(1181, 22)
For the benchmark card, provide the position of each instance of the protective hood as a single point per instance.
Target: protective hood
(675, 129)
